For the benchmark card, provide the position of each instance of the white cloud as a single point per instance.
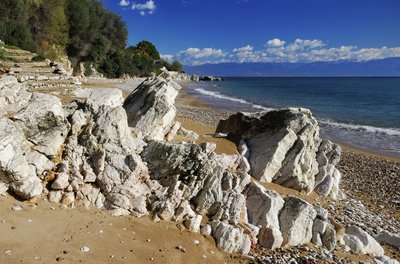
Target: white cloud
(147, 8)
(195, 56)
(167, 57)
(275, 43)
(276, 50)
(124, 3)
(247, 48)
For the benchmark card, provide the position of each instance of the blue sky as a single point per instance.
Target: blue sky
(213, 31)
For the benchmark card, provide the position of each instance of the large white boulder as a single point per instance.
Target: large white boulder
(150, 108)
(263, 208)
(284, 148)
(360, 242)
(296, 221)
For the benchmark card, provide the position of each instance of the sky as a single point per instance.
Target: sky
(214, 31)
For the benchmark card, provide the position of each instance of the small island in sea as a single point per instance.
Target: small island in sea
(117, 150)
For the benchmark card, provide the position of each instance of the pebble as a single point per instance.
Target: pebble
(182, 249)
(85, 249)
(196, 242)
(16, 208)
(8, 252)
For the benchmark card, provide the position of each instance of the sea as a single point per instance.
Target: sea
(359, 112)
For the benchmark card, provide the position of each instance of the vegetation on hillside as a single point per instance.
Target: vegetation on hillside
(84, 30)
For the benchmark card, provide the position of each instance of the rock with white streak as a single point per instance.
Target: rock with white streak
(230, 238)
(263, 208)
(283, 146)
(15, 171)
(389, 238)
(360, 242)
(296, 221)
(43, 123)
(150, 107)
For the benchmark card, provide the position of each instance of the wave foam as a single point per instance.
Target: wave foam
(232, 99)
(365, 128)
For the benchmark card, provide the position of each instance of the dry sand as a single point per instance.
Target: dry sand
(43, 233)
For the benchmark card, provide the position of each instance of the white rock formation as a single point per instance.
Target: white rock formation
(150, 108)
(283, 146)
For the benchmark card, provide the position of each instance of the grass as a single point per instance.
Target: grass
(8, 46)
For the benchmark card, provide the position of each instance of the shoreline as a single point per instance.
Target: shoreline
(193, 101)
(368, 177)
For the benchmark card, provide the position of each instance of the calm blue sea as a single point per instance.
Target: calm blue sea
(361, 112)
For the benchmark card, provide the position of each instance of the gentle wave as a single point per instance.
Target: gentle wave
(365, 128)
(233, 99)
(339, 125)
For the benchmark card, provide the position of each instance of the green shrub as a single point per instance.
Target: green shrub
(38, 58)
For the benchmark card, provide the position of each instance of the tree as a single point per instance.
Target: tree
(176, 66)
(146, 48)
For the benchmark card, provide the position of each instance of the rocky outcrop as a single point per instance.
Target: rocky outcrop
(101, 149)
(193, 181)
(99, 152)
(150, 108)
(284, 147)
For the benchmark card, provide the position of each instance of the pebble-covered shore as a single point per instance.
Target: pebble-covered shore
(371, 184)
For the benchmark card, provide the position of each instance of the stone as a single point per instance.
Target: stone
(385, 260)
(150, 107)
(360, 242)
(183, 211)
(193, 224)
(55, 196)
(324, 234)
(206, 230)
(3, 188)
(43, 123)
(321, 213)
(40, 161)
(61, 182)
(68, 199)
(389, 238)
(187, 133)
(263, 208)
(15, 172)
(231, 239)
(173, 131)
(328, 156)
(85, 249)
(296, 221)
